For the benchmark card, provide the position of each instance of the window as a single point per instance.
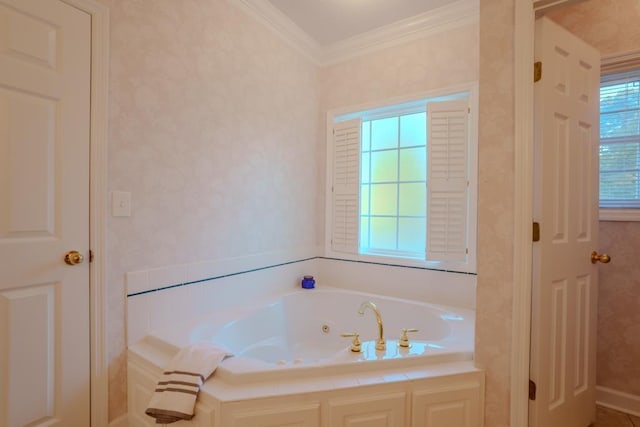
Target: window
(393, 185)
(403, 184)
(620, 140)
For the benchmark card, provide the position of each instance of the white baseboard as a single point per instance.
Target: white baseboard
(624, 402)
(121, 421)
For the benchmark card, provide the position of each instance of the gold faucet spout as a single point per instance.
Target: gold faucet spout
(380, 343)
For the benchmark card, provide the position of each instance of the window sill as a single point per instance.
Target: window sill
(609, 214)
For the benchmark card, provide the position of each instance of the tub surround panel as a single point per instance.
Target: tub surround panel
(437, 287)
(160, 309)
(186, 274)
(496, 205)
(213, 124)
(191, 290)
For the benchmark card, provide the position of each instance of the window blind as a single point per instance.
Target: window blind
(620, 140)
(447, 180)
(346, 186)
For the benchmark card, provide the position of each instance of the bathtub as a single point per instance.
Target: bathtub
(288, 353)
(299, 334)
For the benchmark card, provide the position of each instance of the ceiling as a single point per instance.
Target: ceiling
(331, 21)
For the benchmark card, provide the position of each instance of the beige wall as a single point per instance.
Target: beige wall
(213, 123)
(612, 27)
(496, 205)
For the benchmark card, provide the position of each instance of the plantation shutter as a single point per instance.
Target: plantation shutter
(447, 181)
(346, 185)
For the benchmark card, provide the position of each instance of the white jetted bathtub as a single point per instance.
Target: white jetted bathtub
(292, 345)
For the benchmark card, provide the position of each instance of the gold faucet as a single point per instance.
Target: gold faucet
(380, 344)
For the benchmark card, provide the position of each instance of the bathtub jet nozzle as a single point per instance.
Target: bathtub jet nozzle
(380, 343)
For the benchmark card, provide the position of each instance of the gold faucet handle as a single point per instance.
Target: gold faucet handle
(404, 339)
(356, 345)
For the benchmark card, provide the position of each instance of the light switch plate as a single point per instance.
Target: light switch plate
(121, 203)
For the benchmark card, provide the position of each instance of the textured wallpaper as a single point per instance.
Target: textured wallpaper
(496, 206)
(612, 27)
(619, 308)
(213, 123)
(609, 25)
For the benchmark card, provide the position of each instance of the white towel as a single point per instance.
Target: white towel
(175, 396)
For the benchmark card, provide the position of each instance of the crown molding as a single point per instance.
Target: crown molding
(279, 23)
(445, 18)
(619, 62)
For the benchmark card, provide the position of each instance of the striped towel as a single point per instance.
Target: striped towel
(175, 396)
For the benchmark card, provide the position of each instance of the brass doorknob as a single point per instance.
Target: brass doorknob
(604, 258)
(73, 258)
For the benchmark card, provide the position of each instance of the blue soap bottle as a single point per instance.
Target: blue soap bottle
(308, 282)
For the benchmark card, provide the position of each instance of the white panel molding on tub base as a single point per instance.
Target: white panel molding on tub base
(618, 400)
(439, 395)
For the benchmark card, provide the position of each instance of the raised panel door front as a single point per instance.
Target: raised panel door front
(44, 213)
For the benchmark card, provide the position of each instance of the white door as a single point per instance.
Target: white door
(565, 282)
(44, 213)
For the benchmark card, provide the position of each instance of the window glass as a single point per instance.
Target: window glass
(383, 233)
(384, 133)
(413, 165)
(412, 200)
(411, 232)
(393, 191)
(384, 199)
(620, 141)
(413, 130)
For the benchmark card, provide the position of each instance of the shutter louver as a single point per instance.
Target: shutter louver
(447, 180)
(346, 186)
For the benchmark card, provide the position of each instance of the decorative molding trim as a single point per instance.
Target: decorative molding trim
(546, 5)
(445, 18)
(619, 214)
(620, 62)
(279, 23)
(97, 206)
(618, 400)
(121, 421)
(523, 214)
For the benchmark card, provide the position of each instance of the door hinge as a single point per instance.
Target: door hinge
(537, 71)
(536, 232)
(90, 256)
(532, 390)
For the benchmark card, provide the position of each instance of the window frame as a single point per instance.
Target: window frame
(614, 213)
(469, 89)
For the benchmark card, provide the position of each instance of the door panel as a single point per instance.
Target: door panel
(565, 282)
(44, 213)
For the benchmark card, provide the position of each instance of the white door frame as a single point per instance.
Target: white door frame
(98, 205)
(523, 211)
